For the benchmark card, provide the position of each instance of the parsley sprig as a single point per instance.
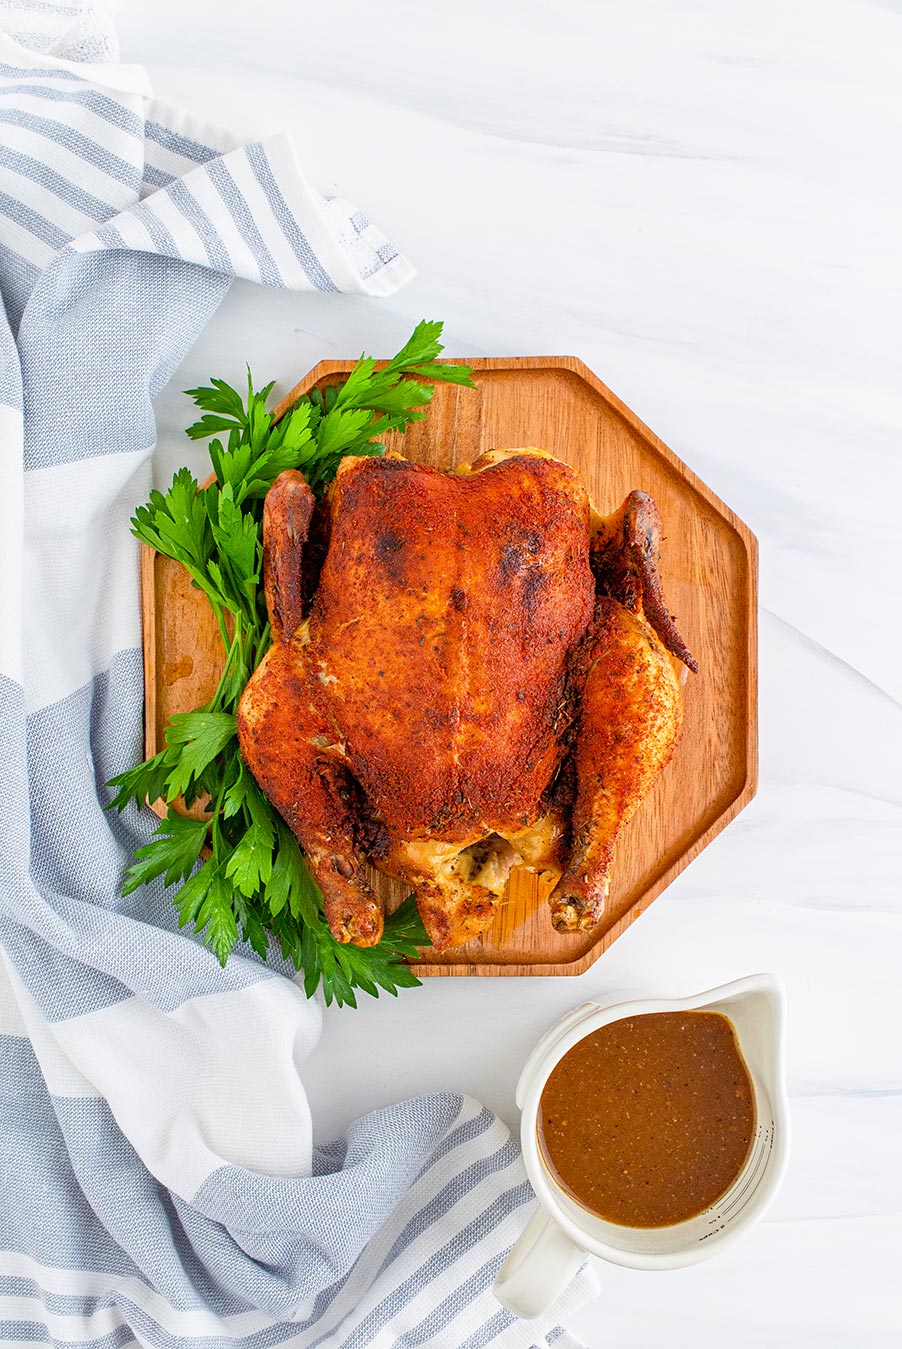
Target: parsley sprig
(239, 872)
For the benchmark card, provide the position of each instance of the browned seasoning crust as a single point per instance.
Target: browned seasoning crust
(447, 611)
(286, 524)
(630, 717)
(449, 661)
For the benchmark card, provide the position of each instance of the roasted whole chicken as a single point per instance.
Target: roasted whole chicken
(478, 678)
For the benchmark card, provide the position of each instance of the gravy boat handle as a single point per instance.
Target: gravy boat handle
(541, 1263)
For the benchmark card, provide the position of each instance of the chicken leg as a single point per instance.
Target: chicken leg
(631, 709)
(629, 724)
(288, 746)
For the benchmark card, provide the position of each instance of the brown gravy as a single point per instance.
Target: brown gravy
(647, 1121)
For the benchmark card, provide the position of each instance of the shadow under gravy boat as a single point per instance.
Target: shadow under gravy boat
(555, 1242)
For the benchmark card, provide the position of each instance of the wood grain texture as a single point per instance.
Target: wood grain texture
(710, 578)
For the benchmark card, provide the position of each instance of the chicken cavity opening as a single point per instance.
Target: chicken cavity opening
(487, 863)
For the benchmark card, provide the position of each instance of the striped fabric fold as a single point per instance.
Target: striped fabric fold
(159, 1178)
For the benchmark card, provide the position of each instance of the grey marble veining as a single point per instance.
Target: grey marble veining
(704, 203)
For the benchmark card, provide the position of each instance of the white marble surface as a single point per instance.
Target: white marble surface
(703, 202)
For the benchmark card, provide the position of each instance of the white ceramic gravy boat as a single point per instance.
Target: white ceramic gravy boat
(556, 1240)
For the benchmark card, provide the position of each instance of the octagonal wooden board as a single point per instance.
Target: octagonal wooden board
(710, 580)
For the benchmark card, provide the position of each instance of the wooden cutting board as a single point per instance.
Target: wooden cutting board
(710, 580)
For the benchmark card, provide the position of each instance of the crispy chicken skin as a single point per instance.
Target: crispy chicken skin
(630, 717)
(470, 632)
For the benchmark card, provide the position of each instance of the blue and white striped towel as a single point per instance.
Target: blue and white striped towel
(158, 1182)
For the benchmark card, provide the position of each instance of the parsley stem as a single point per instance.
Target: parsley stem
(223, 629)
(232, 646)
